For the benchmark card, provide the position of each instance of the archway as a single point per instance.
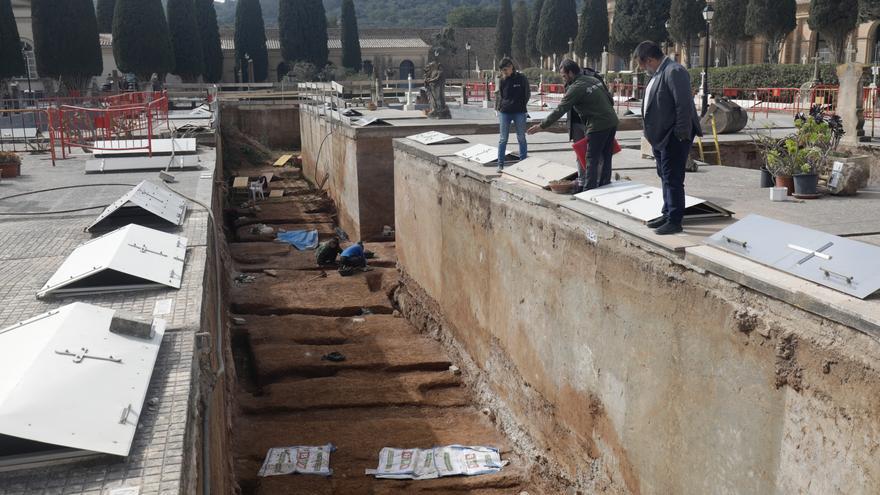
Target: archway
(407, 69)
(368, 67)
(282, 69)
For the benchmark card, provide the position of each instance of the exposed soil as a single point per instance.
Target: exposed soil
(394, 389)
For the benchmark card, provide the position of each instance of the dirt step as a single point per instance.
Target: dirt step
(246, 233)
(323, 330)
(292, 217)
(275, 361)
(437, 389)
(507, 482)
(258, 256)
(307, 293)
(291, 207)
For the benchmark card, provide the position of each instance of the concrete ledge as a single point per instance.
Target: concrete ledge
(863, 316)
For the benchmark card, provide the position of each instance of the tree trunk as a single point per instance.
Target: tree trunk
(774, 48)
(837, 44)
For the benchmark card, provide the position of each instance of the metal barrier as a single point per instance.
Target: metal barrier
(27, 130)
(114, 128)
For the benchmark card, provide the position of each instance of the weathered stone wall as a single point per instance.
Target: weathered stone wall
(624, 369)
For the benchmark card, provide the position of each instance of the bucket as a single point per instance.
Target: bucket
(778, 193)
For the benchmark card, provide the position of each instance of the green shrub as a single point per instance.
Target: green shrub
(534, 75)
(763, 76)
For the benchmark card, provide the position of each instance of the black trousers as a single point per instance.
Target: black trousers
(671, 161)
(599, 154)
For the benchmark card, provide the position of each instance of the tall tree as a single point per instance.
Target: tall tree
(593, 31)
(686, 22)
(11, 59)
(773, 20)
(185, 40)
(558, 25)
(209, 35)
(350, 37)
(504, 30)
(636, 21)
(521, 33)
(105, 15)
(834, 20)
(66, 41)
(250, 40)
(532, 40)
(729, 27)
(141, 41)
(318, 33)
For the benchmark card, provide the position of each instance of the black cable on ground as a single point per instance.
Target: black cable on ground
(58, 212)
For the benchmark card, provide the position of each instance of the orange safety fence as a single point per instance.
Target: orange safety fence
(128, 127)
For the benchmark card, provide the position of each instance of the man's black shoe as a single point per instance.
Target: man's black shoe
(657, 222)
(668, 228)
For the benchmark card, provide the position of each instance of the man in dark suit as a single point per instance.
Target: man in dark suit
(671, 122)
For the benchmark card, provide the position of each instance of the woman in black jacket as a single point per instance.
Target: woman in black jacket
(512, 97)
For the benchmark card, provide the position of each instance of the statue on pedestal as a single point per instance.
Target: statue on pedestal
(435, 81)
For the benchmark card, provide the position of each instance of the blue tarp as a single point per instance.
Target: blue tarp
(300, 239)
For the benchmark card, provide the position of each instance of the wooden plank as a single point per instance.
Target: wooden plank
(240, 183)
(276, 193)
(283, 160)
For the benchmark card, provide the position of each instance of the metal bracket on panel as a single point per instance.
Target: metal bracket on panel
(144, 249)
(84, 354)
(125, 412)
(828, 273)
(731, 240)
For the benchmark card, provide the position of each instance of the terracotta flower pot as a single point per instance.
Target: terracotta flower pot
(10, 169)
(786, 182)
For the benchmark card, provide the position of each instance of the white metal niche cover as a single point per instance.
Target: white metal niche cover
(540, 172)
(157, 146)
(842, 264)
(67, 380)
(130, 258)
(368, 121)
(483, 154)
(145, 200)
(113, 164)
(434, 137)
(645, 203)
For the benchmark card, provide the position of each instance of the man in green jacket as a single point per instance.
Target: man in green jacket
(589, 98)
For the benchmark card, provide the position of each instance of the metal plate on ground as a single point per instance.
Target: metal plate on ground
(59, 384)
(368, 121)
(434, 137)
(645, 203)
(114, 164)
(145, 201)
(158, 147)
(483, 154)
(18, 133)
(130, 258)
(540, 172)
(836, 262)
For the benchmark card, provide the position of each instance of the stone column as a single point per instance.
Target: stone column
(850, 100)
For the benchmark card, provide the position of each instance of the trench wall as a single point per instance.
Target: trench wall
(274, 125)
(620, 367)
(356, 166)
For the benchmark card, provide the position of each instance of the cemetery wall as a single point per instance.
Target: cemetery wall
(621, 367)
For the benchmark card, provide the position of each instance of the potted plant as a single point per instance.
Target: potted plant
(815, 140)
(10, 164)
(765, 144)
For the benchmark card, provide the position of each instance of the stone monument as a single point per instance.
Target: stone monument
(729, 117)
(435, 81)
(850, 99)
(806, 91)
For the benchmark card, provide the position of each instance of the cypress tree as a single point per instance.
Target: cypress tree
(11, 60)
(250, 40)
(351, 42)
(636, 21)
(504, 31)
(773, 20)
(729, 26)
(834, 20)
(185, 40)
(66, 42)
(293, 30)
(521, 33)
(141, 41)
(686, 22)
(593, 31)
(209, 34)
(558, 24)
(318, 34)
(105, 15)
(532, 40)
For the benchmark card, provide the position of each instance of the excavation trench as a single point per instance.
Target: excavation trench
(394, 388)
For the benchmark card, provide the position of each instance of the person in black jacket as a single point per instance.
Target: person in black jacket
(512, 97)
